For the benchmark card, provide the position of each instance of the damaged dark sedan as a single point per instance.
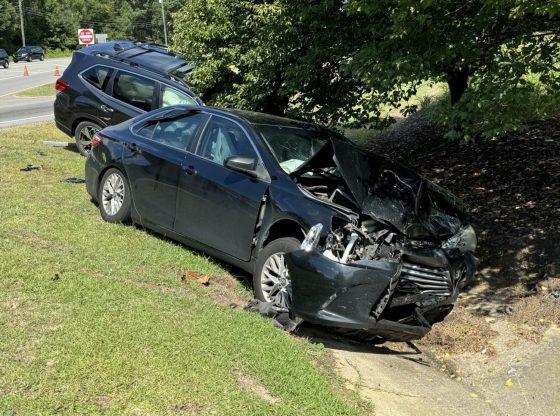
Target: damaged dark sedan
(336, 235)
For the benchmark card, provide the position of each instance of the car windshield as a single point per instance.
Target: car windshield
(292, 146)
(20, 50)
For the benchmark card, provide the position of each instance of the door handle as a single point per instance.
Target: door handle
(189, 170)
(106, 108)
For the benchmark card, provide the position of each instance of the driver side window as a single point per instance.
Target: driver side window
(223, 139)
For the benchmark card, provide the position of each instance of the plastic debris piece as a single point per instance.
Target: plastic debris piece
(279, 315)
(201, 278)
(55, 144)
(31, 167)
(73, 180)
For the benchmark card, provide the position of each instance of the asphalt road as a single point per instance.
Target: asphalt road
(21, 110)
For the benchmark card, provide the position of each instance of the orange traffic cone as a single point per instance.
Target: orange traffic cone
(25, 71)
(56, 72)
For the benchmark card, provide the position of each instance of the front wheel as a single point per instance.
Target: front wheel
(114, 197)
(29, 59)
(84, 134)
(42, 58)
(6, 65)
(271, 280)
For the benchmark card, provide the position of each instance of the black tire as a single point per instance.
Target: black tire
(42, 57)
(110, 195)
(29, 59)
(83, 135)
(6, 64)
(276, 247)
(15, 61)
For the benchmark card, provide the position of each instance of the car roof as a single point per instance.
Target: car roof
(253, 117)
(147, 55)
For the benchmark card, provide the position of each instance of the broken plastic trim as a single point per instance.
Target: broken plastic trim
(312, 238)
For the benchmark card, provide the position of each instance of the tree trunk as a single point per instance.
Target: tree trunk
(457, 79)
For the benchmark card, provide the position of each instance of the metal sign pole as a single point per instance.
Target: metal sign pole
(164, 25)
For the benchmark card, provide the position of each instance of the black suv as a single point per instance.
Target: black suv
(28, 53)
(108, 83)
(4, 58)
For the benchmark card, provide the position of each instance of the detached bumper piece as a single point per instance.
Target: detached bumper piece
(397, 300)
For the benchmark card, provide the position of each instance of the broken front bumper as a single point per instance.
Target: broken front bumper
(394, 299)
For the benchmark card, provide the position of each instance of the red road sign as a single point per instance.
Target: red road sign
(85, 36)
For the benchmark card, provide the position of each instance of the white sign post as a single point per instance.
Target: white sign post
(86, 37)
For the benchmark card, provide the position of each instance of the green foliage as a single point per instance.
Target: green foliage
(489, 108)
(280, 56)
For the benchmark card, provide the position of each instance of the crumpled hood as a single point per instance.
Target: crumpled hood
(392, 193)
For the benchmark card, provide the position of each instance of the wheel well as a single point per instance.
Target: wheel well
(284, 228)
(78, 121)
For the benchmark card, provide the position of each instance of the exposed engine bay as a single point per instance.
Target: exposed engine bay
(394, 260)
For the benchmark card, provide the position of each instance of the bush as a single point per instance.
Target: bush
(489, 108)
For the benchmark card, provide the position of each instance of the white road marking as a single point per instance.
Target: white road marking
(25, 119)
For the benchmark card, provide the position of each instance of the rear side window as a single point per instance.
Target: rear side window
(178, 132)
(134, 90)
(98, 76)
(171, 96)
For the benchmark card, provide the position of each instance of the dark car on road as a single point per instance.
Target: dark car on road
(4, 59)
(372, 245)
(28, 53)
(108, 83)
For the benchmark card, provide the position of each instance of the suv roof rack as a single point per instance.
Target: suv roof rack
(146, 55)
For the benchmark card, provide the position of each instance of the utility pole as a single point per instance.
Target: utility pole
(21, 18)
(164, 25)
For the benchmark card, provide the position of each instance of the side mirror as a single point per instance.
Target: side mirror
(242, 164)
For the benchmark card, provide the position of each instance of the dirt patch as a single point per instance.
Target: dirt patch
(246, 382)
(461, 332)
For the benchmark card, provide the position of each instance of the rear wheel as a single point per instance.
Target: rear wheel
(6, 64)
(271, 280)
(84, 134)
(114, 197)
(29, 59)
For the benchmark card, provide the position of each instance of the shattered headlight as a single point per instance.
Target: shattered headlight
(312, 238)
(464, 240)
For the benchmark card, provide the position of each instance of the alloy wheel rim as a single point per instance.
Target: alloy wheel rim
(86, 136)
(275, 281)
(113, 194)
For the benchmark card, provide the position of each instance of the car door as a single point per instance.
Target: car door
(153, 164)
(130, 95)
(216, 205)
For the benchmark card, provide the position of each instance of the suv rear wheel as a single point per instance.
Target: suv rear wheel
(83, 135)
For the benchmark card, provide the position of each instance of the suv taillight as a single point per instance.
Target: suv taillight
(61, 85)
(97, 139)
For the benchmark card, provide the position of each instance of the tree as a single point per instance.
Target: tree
(278, 56)
(453, 40)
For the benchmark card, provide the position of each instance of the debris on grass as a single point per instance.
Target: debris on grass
(31, 167)
(280, 316)
(55, 144)
(73, 180)
(201, 278)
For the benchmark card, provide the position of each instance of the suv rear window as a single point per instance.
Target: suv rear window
(98, 76)
(171, 96)
(134, 90)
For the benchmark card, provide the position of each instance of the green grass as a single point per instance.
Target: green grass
(46, 90)
(94, 318)
(58, 53)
